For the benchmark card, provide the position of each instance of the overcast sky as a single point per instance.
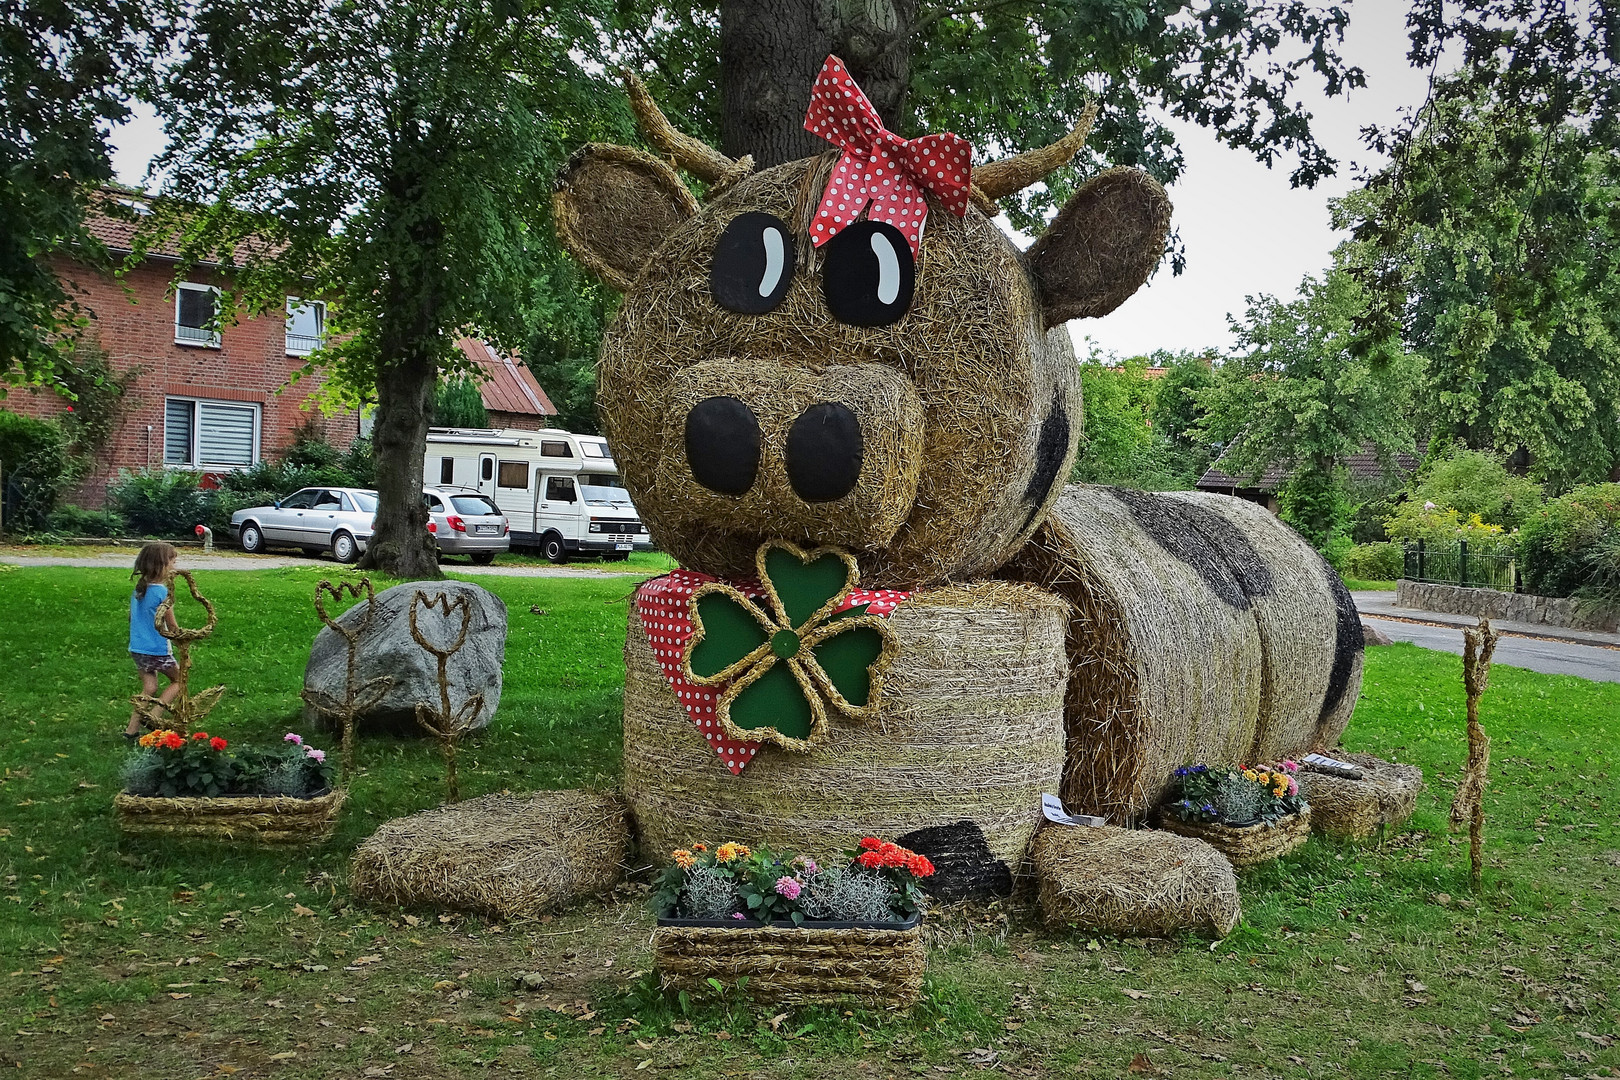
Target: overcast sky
(1245, 230)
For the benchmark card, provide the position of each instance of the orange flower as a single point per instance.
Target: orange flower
(919, 866)
(700, 847)
(730, 850)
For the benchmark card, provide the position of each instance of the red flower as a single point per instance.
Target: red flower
(871, 843)
(199, 734)
(919, 866)
(172, 741)
(870, 859)
(217, 743)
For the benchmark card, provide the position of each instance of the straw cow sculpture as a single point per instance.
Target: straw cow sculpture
(846, 403)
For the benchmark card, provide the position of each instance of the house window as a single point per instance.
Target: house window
(514, 474)
(306, 326)
(447, 471)
(554, 448)
(196, 315)
(210, 434)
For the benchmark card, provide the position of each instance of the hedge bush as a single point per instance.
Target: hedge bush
(39, 464)
(160, 502)
(1375, 562)
(77, 521)
(1561, 545)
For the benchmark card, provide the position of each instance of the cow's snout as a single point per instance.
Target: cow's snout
(752, 442)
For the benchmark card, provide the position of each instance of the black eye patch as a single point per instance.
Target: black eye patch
(753, 264)
(868, 274)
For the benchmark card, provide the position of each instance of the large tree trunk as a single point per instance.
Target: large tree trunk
(770, 51)
(400, 545)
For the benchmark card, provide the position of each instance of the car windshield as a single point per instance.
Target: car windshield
(473, 505)
(604, 496)
(366, 501)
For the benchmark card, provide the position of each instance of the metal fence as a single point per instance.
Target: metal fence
(1454, 564)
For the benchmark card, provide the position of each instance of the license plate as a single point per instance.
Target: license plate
(624, 547)
(486, 530)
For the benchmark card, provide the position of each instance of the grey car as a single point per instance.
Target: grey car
(466, 522)
(317, 519)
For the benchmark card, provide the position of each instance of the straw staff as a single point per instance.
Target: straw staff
(356, 700)
(445, 723)
(186, 711)
(1469, 804)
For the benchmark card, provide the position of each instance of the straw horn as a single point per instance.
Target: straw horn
(695, 156)
(998, 179)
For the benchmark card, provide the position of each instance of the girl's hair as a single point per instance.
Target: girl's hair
(152, 565)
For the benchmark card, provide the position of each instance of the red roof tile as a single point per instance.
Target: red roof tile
(1361, 466)
(508, 385)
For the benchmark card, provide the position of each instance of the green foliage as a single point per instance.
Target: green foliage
(1118, 444)
(1561, 542)
(74, 521)
(1176, 411)
(1375, 562)
(1443, 528)
(286, 769)
(160, 502)
(66, 68)
(1299, 394)
(1475, 482)
(458, 403)
(95, 393)
(37, 464)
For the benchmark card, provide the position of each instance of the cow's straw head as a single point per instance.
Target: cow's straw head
(920, 411)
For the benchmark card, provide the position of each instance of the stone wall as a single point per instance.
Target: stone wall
(1494, 604)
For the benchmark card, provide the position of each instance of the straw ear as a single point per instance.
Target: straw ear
(614, 206)
(1103, 245)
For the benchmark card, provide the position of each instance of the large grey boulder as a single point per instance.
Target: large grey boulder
(386, 647)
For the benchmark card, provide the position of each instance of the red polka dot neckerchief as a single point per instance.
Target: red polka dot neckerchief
(664, 604)
(878, 166)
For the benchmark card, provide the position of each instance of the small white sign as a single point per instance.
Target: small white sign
(1052, 808)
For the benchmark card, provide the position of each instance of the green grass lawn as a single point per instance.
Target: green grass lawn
(141, 958)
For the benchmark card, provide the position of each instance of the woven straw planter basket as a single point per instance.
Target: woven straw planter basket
(1249, 845)
(813, 964)
(248, 819)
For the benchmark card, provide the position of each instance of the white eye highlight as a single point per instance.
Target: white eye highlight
(775, 260)
(888, 269)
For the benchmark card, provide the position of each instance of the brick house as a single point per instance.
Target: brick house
(199, 399)
(512, 397)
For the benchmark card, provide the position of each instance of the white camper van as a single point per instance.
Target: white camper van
(561, 491)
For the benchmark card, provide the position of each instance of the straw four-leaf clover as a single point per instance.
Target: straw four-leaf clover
(785, 661)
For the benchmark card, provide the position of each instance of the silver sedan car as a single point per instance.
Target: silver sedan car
(465, 522)
(316, 519)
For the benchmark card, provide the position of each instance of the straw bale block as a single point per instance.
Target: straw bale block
(789, 965)
(1204, 630)
(1385, 795)
(509, 856)
(968, 734)
(1134, 882)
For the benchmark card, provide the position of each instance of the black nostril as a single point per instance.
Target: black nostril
(722, 445)
(824, 452)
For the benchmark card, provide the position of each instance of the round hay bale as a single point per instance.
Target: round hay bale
(1165, 660)
(967, 407)
(1248, 845)
(1386, 794)
(510, 856)
(1310, 632)
(1134, 882)
(968, 734)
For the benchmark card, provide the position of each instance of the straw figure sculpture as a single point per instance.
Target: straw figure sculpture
(444, 721)
(186, 712)
(506, 856)
(1468, 805)
(356, 700)
(1202, 629)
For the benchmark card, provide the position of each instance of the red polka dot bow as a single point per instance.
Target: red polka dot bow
(878, 166)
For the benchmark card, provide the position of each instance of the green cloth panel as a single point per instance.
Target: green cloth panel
(847, 659)
(729, 634)
(804, 587)
(773, 700)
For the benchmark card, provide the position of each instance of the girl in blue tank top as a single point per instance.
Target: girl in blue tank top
(154, 568)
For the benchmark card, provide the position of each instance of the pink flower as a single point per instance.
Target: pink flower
(739, 916)
(810, 867)
(316, 755)
(788, 887)
(1293, 786)
(295, 739)
(1290, 766)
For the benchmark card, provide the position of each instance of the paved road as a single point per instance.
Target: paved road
(1537, 654)
(194, 560)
